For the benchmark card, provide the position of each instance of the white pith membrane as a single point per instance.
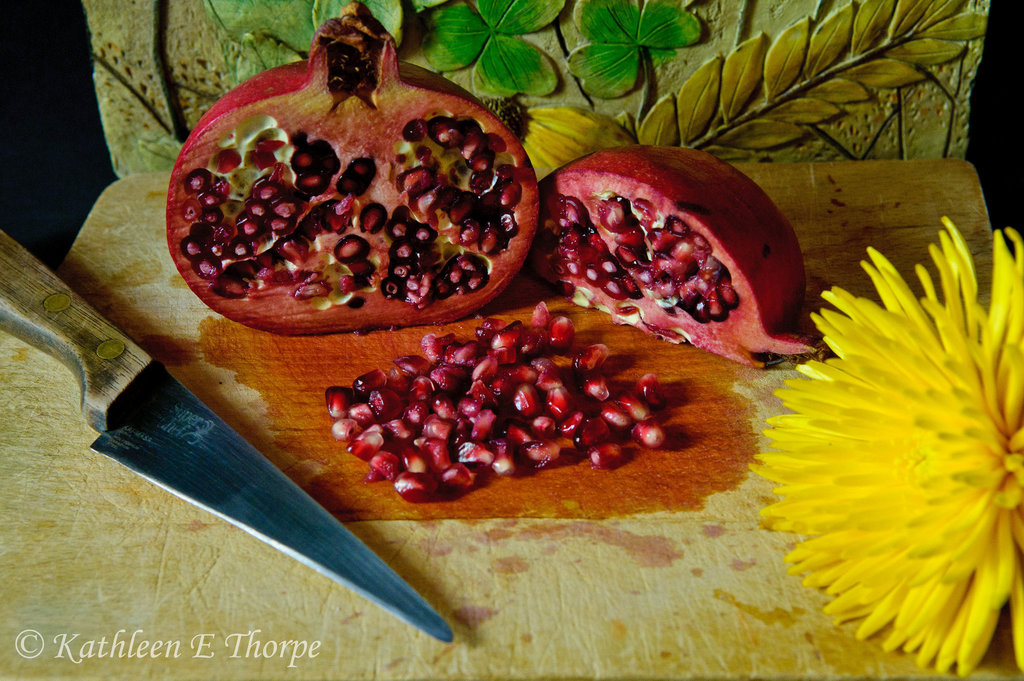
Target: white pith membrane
(636, 257)
(442, 257)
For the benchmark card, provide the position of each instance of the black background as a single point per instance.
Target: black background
(55, 161)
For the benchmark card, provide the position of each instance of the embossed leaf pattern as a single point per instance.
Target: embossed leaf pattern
(741, 74)
(697, 101)
(659, 126)
(775, 92)
(620, 34)
(785, 58)
(457, 36)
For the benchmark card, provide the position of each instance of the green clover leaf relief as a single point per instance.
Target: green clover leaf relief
(621, 34)
(457, 36)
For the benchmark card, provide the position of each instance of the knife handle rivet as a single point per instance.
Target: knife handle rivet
(55, 302)
(109, 349)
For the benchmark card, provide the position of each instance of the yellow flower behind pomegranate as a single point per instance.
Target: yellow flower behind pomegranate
(903, 457)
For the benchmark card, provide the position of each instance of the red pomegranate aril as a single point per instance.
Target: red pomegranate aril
(559, 402)
(648, 434)
(413, 365)
(448, 377)
(616, 416)
(469, 407)
(544, 427)
(485, 368)
(595, 386)
(339, 398)
(648, 387)
(386, 465)
(561, 334)
(414, 462)
(540, 452)
(366, 444)
(590, 358)
(345, 429)
(421, 388)
(362, 413)
(508, 336)
(606, 455)
(517, 435)
(369, 381)
(416, 487)
(541, 316)
(475, 453)
(435, 451)
(385, 403)
(483, 424)
(458, 476)
(591, 431)
(399, 429)
(444, 408)
(526, 400)
(483, 394)
(504, 355)
(634, 406)
(462, 355)
(437, 427)
(571, 423)
(416, 413)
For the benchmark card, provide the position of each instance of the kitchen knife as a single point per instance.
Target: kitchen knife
(153, 425)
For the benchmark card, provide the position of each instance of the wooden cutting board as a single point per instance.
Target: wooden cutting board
(659, 570)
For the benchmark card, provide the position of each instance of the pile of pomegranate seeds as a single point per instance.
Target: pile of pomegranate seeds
(435, 422)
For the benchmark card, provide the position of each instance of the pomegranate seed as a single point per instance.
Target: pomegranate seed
(345, 429)
(416, 413)
(369, 381)
(569, 426)
(385, 403)
(469, 407)
(414, 462)
(596, 387)
(504, 355)
(508, 337)
(415, 487)
(483, 394)
(483, 424)
(649, 434)
(605, 455)
(485, 368)
(434, 345)
(526, 401)
(362, 413)
(398, 380)
(366, 444)
(386, 464)
(517, 435)
(541, 316)
(475, 453)
(559, 402)
(458, 476)
(590, 358)
(421, 388)
(541, 452)
(561, 334)
(462, 355)
(443, 407)
(616, 416)
(649, 388)
(339, 398)
(435, 426)
(399, 429)
(448, 378)
(504, 462)
(436, 452)
(544, 426)
(592, 430)
(636, 407)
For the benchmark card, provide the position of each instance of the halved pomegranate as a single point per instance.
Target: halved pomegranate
(349, 192)
(677, 243)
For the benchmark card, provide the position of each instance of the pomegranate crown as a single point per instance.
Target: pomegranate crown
(352, 51)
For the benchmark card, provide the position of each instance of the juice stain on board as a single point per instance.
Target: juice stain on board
(710, 440)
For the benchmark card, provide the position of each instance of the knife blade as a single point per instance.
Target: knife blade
(152, 424)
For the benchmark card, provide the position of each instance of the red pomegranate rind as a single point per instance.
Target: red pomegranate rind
(683, 206)
(345, 146)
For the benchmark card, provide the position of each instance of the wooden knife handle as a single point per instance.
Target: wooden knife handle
(40, 309)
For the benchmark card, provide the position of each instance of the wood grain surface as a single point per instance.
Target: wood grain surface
(659, 570)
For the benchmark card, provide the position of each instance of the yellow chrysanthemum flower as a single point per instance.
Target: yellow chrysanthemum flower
(555, 135)
(903, 457)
